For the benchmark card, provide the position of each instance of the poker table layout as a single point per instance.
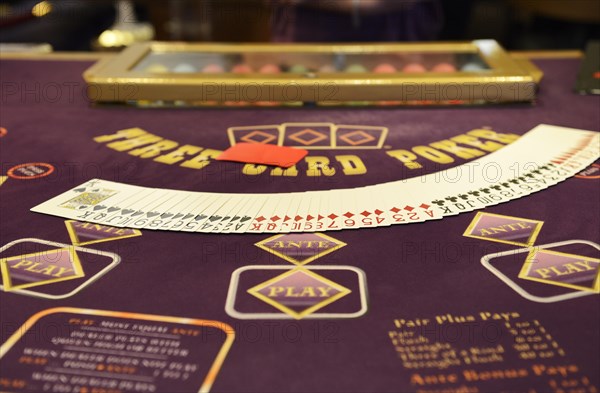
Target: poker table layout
(435, 306)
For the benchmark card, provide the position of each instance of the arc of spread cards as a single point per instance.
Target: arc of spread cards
(540, 159)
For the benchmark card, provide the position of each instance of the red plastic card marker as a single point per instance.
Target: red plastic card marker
(256, 153)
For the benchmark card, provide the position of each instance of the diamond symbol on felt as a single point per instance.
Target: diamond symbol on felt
(504, 229)
(348, 215)
(30, 270)
(378, 212)
(562, 269)
(275, 218)
(424, 206)
(299, 292)
(83, 233)
(332, 216)
(366, 213)
(257, 136)
(395, 209)
(260, 219)
(356, 138)
(307, 137)
(300, 248)
(409, 208)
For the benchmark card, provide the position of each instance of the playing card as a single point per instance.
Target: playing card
(91, 194)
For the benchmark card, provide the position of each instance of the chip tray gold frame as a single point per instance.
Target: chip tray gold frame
(508, 79)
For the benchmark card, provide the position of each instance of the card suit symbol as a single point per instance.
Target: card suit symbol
(320, 217)
(215, 218)
(395, 209)
(366, 213)
(474, 193)
(485, 190)
(137, 213)
(200, 217)
(287, 218)
(177, 216)
(188, 216)
(439, 203)
(166, 215)
(297, 218)
(235, 218)
(348, 215)
(82, 189)
(83, 207)
(464, 197)
(409, 208)
(113, 209)
(260, 219)
(497, 188)
(152, 214)
(332, 216)
(226, 218)
(424, 206)
(127, 211)
(99, 207)
(378, 212)
(245, 218)
(309, 217)
(275, 218)
(452, 199)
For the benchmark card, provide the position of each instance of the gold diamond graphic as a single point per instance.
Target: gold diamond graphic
(565, 270)
(313, 137)
(266, 137)
(300, 248)
(30, 270)
(363, 138)
(299, 292)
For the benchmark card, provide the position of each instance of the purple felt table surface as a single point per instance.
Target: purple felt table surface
(412, 271)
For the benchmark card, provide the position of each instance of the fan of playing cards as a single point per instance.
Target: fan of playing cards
(541, 158)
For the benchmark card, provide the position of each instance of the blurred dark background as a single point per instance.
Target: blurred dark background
(76, 25)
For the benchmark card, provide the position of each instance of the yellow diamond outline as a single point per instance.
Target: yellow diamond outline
(318, 138)
(75, 239)
(530, 240)
(368, 138)
(530, 261)
(269, 138)
(343, 291)
(296, 262)
(7, 282)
